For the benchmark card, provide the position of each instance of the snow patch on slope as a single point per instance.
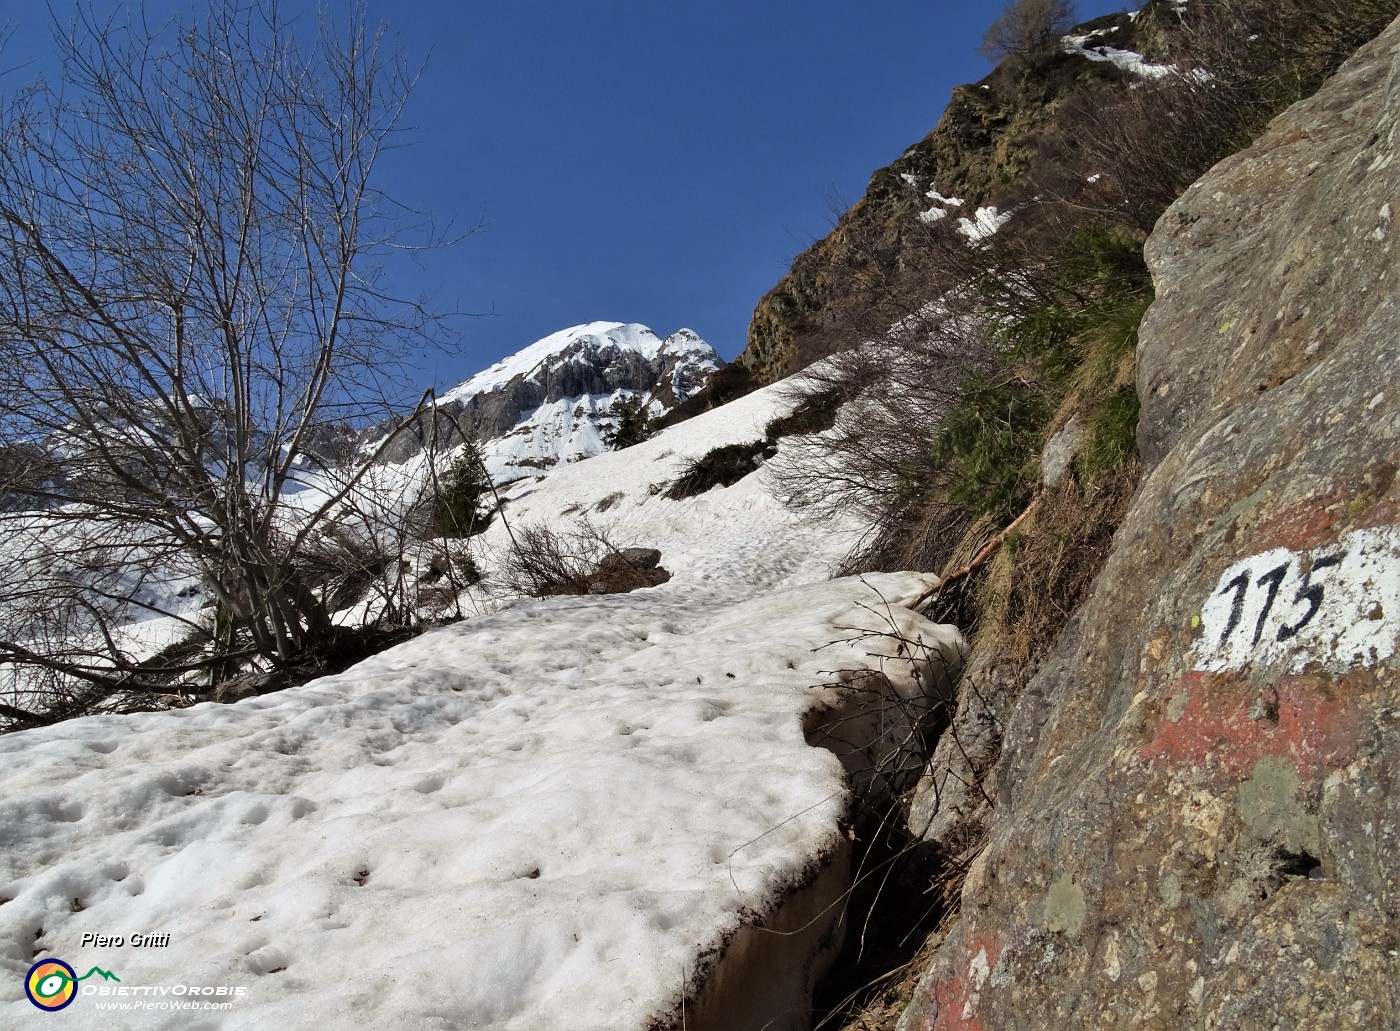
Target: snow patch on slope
(566, 430)
(941, 204)
(538, 818)
(983, 224)
(1086, 46)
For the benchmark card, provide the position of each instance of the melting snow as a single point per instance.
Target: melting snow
(984, 224)
(1125, 59)
(940, 206)
(538, 818)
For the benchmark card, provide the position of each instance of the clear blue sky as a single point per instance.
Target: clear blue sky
(642, 160)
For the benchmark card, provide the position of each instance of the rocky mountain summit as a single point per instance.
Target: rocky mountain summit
(550, 402)
(1195, 814)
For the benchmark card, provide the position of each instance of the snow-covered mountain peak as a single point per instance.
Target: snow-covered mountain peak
(551, 402)
(582, 344)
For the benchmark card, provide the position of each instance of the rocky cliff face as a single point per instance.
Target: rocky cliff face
(994, 139)
(550, 401)
(1197, 801)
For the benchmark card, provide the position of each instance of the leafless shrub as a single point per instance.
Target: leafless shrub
(1236, 64)
(1027, 28)
(390, 552)
(875, 461)
(190, 238)
(543, 562)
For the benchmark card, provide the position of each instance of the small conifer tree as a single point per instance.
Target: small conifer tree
(634, 424)
(463, 508)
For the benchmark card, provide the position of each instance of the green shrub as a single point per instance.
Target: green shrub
(1072, 348)
(1112, 434)
(991, 439)
(1088, 312)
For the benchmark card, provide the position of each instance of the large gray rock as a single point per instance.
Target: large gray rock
(950, 805)
(1198, 800)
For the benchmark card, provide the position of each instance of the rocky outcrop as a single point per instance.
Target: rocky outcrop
(676, 369)
(999, 144)
(1198, 797)
(630, 569)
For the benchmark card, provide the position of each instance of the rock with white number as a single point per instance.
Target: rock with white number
(1199, 796)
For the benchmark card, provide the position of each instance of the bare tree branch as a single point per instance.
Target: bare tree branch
(192, 244)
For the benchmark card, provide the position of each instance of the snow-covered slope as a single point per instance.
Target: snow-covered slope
(550, 402)
(556, 815)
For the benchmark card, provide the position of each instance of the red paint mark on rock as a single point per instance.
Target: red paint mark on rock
(1382, 513)
(1301, 527)
(959, 994)
(1210, 720)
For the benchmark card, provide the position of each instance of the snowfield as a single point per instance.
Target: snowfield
(553, 815)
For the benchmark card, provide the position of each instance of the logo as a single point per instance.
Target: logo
(52, 983)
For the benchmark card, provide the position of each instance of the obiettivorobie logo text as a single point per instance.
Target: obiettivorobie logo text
(52, 984)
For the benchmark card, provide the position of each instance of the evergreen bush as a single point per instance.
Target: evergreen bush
(634, 423)
(463, 505)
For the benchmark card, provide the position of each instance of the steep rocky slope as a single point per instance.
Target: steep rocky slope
(1197, 804)
(996, 147)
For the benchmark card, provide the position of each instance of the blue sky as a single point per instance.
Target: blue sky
(641, 161)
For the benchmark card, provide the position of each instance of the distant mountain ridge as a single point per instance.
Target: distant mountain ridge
(551, 401)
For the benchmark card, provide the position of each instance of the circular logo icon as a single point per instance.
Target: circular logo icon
(51, 984)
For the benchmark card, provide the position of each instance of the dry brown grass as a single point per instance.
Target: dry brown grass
(1046, 567)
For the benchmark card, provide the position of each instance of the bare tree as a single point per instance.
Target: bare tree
(191, 238)
(1027, 28)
